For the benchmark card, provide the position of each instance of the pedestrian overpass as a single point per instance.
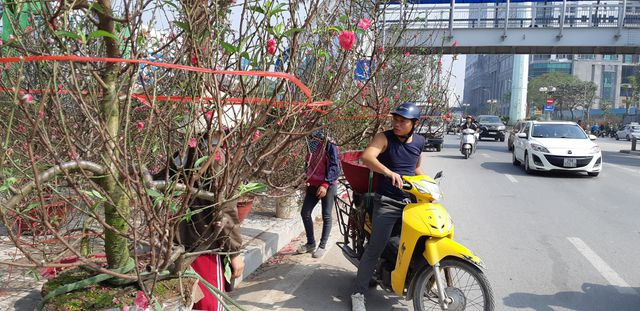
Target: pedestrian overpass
(513, 27)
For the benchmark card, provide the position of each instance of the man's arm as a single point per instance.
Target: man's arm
(419, 170)
(370, 159)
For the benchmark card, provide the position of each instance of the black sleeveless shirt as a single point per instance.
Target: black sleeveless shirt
(401, 158)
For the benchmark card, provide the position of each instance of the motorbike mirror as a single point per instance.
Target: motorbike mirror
(438, 175)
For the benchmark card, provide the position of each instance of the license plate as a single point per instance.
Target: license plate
(492, 132)
(570, 162)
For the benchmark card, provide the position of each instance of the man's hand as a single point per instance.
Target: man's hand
(237, 266)
(322, 192)
(396, 179)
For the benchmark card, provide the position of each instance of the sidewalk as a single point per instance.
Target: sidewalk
(263, 236)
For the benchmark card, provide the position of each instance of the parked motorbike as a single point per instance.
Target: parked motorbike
(468, 142)
(421, 262)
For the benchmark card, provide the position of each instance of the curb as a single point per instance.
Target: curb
(633, 152)
(265, 235)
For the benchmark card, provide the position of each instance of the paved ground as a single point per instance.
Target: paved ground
(550, 241)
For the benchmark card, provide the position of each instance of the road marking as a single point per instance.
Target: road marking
(605, 270)
(623, 168)
(486, 155)
(511, 178)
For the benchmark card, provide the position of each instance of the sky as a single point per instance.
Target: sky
(456, 84)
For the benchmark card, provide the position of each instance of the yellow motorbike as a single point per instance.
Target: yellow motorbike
(421, 262)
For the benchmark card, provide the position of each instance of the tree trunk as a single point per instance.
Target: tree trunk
(117, 212)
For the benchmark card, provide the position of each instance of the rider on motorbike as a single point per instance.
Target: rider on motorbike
(470, 124)
(392, 153)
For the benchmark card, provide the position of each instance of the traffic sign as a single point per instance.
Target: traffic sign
(548, 108)
(550, 101)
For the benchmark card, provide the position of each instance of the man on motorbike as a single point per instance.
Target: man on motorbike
(392, 153)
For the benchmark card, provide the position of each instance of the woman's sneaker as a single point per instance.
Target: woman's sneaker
(357, 302)
(319, 253)
(306, 248)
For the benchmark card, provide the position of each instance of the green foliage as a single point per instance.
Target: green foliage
(537, 98)
(251, 187)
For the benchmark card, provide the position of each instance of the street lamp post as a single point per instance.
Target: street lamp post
(548, 90)
(492, 103)
(465, 108)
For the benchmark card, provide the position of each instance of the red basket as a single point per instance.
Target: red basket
(356, 173)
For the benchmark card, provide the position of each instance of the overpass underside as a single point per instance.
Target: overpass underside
(515, 28)
(521, 41)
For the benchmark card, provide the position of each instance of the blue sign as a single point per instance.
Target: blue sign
(548, 108)
(363, 70)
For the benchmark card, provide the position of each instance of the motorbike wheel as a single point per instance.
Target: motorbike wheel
(465, 284)
(467, 153)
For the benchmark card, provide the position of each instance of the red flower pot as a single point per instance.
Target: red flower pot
(244, 206)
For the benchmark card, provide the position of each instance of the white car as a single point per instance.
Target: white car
(629, 131)
(556, 146)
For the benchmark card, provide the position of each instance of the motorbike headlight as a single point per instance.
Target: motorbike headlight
(430, 188)
(594, 150)
(501, 128)
(540, 148)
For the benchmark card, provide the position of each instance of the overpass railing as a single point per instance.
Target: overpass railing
(516, 15)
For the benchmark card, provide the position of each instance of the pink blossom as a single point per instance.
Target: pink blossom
(141, 300)
(256, 135)
(125, 308)
(385, 100)
(328, 67)
(365, 89)
(359, 84)
(194, 59)
(28, 98)
(60, 87)
(346, 40)
(217, 156)
(271, 46)
(27, 29)
(73, 155)
(396, 97)
(407, 54)
(381, 49)
(140, 125)
(409, 87)
(1, 42)
(208, 115)
(364, 24)
(454, 44)
(192, 142)
(11, 37)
